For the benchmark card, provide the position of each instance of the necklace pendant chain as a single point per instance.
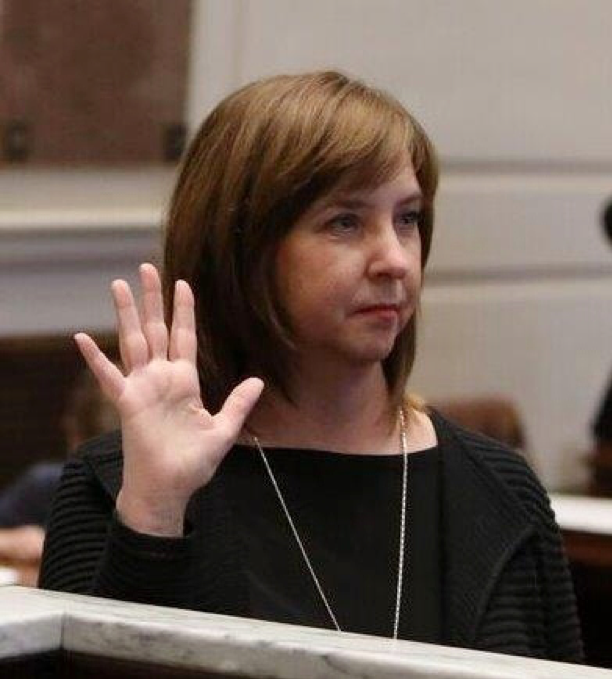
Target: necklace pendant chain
(402, 535)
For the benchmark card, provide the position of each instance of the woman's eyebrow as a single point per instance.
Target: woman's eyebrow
(354, 202)
(415, 197)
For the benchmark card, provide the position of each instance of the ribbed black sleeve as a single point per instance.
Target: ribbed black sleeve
(551, 617)
(76, 533)
(89, 551)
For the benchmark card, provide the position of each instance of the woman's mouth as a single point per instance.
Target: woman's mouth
(389, 312)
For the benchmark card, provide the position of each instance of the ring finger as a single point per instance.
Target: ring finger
(132, 342)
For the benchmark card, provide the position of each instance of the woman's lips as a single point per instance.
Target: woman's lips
(381, 311)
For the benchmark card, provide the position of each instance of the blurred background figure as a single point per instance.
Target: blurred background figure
(495, 416)
(25, 503)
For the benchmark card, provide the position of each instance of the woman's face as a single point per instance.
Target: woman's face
(349, 271)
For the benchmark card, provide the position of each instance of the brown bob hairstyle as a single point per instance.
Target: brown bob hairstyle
(257, 163)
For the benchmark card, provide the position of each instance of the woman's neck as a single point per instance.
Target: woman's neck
(347, 412)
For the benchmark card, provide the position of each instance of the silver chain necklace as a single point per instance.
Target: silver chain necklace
(402, 537)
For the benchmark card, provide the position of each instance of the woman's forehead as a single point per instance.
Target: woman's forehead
(402, 186)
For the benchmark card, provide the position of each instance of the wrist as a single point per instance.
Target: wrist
(161, 518)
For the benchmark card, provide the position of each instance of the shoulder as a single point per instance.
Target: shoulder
(100, 460)
(104, 447)
(497, 460)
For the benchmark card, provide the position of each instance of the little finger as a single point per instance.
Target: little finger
(109, 377)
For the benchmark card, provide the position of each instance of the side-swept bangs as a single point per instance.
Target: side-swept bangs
(259, 161)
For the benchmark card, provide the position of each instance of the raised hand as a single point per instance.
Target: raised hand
(171, 444)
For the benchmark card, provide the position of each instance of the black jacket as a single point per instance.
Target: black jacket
(506, 582)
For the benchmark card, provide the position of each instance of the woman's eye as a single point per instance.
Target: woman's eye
(344, 223)
(410, 218)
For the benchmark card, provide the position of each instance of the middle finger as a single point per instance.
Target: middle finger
(153, 324)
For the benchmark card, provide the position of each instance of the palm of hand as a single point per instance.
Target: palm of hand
(172, 445)
(164, 422)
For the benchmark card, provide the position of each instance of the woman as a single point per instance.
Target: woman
(314, 493)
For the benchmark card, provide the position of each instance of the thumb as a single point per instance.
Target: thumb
(239, 404)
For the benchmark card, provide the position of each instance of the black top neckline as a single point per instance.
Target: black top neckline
(322, 455)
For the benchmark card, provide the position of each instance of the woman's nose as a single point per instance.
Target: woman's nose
(389, 255)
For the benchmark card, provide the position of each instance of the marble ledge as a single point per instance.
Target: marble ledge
(583, 513)
(34, 621)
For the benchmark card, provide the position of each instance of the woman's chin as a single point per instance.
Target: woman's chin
(372, 352)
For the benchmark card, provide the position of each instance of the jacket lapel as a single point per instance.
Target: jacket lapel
(482, 525)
